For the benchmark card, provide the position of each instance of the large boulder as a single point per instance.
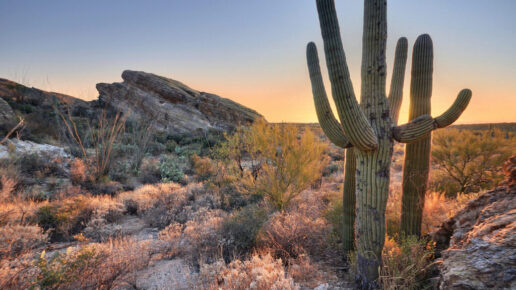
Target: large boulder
(173, 106)
(478, 244)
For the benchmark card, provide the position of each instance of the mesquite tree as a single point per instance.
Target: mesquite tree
(368, 127)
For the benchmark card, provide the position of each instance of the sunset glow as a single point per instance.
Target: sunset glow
(254, 51)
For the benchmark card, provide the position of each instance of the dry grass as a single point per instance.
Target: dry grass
(439, 208)
(405, 264)
(92, 266)
(302, 229)
(19, 211)
(199, 239)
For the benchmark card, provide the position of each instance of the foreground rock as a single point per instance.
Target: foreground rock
(173, 106)
(482, 240)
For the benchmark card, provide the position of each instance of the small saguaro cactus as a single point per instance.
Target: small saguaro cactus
(417, 154)
(369, 127)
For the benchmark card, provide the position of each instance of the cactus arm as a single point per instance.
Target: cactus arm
(414, 130)
(398, 78)
(353, 120)
(453, 113)
(331, 127)
(423, 125)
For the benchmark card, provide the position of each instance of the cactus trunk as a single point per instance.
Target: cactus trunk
(349, 202)
(417, 154)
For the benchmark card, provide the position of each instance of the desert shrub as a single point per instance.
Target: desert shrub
(99, 229)
(171, 169)
(67, 217)
(308, 274)
(99, 266)
(241, 229)
(331, 169)
(140, 134)
(78, 172)
(393, 212)
(40, 165)
(19, 211)
(150, 171)
(8, 187)
(300, 230)
(201, 238)
(468, 161)
(101, 137)
(334, 217)
(165, 203)
(17, 239)
(203, 166)
(18, 273)
(406, 264)
(259, 272)
(273, 161)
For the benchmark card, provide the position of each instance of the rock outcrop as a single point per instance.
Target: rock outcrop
(6, 113)
(16, 92)
(20, 147)
(478, 245)
(175, 107)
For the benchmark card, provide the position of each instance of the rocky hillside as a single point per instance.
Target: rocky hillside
(15, 92)
(174, 106)
(478, 244)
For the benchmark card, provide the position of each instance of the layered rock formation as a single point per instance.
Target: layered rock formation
(174, 106)
(479, 243)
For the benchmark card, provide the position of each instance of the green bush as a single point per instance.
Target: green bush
(241, 229)
(171, 170)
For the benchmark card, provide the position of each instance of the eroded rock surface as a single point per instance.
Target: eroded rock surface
(174, 106)
(479, 244)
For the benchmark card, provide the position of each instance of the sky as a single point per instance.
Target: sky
(253, 51)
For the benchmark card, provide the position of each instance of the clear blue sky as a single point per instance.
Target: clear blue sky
(253, 51)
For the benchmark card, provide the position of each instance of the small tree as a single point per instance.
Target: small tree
(468, 161)
(273, 160)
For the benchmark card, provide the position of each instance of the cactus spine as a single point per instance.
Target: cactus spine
(417, 154)
(370, 128)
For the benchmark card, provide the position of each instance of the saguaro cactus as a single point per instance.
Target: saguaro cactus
(369, 127)
(417, 154)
